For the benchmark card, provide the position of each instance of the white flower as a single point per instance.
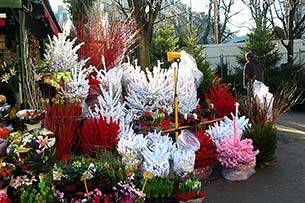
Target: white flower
(37, 76)
(5, 78)
(13, 71)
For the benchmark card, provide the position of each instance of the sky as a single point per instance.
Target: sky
(239, 23)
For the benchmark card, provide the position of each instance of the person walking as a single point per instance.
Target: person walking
(252, 70)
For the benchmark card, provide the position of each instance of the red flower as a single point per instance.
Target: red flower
(146, 114)
(165, 123)
(198, 107)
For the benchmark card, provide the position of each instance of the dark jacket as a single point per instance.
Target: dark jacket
(252, 71)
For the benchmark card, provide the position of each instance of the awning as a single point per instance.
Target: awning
(49, 14)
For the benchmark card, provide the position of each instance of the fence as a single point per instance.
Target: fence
(218, 54)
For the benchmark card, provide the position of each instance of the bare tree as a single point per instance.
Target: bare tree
(144, 13)
(222, 8)
(259, 11)
(292, 19)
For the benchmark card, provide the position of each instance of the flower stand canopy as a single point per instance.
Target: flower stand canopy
(21, 19)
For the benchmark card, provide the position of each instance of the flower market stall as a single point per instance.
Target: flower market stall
(116, 132)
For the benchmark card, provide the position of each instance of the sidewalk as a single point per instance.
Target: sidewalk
(282, 182)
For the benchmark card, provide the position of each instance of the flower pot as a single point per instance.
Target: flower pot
(70, 188)
(30, 127)
(190, 197)
(237, 174)
(203, 172)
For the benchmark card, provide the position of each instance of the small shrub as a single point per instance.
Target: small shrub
(264, 139)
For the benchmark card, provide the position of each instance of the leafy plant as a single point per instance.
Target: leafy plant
(159, 187)
(264, 139)
(74, 168)
(190, 185)
(111, 168)
(158, 118)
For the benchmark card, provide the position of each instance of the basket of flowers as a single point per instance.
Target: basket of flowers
(6, 173)
(31, 118)
(190, 190)
(33, 150)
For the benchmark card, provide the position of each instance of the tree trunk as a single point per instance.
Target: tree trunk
(290, 37)
(144, 13)
(290, 53)
(144, 48)
(216, 21)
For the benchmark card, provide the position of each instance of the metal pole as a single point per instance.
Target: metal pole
(176, 100)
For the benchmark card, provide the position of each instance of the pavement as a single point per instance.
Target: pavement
(283, 181)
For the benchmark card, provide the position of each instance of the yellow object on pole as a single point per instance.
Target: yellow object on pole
(171, 57)
(176, 105)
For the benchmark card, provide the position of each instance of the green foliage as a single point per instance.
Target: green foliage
(190, 185)
(164, 42)
(264, 139)
(159, 187)
(261, 42)
(40, 193)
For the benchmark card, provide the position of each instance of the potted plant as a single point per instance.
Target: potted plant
(71, 174)
(94, 196)
(189, 190)
(206, 155)
(31, 118)
(152, 120)
(98, 134)
(159, 189)
(33, 150)
(127, 192)
(6, 173)
(236, 156)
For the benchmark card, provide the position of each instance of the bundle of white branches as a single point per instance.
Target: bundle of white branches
(148, 92)
(157, 153)
(61, 53)
(224, 128)
(110, 104)
(130, 146)
(78, 86)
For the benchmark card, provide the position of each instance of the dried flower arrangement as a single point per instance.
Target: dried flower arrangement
(97, 134)
(222, 98)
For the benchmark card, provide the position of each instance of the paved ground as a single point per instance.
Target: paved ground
(282, 182)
